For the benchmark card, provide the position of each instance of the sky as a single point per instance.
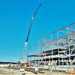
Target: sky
(15, 17)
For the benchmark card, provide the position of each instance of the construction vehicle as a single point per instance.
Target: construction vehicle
(25, 46)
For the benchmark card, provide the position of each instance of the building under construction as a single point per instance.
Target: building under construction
(57, 47)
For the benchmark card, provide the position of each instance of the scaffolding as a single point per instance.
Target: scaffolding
(58, 48)
(59, 44)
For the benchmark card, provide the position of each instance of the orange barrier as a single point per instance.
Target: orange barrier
(72, 74)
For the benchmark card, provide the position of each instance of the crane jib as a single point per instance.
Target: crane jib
(32, 21)
(33, 16)
(28, 32)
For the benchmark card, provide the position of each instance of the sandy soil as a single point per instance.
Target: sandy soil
(5, 71)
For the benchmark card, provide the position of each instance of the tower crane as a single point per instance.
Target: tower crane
(25, 45)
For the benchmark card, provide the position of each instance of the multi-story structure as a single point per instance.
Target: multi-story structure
(58, 47)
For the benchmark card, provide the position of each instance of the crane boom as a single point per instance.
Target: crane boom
(33, 16)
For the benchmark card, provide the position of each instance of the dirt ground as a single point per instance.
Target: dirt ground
(7, 71)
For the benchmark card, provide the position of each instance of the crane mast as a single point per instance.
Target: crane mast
(25, 45)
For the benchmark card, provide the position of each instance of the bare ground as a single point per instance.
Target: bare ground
(6, 71)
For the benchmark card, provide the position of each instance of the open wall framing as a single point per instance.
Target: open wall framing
(58, 47)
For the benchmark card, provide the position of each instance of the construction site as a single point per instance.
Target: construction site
(56, 50)
(56, 54)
